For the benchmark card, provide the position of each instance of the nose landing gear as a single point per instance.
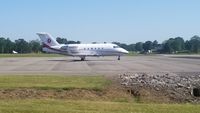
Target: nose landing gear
(118, 58)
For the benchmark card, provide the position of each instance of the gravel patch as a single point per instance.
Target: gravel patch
(176, 87)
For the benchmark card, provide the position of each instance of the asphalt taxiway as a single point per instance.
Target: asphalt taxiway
(98, 66)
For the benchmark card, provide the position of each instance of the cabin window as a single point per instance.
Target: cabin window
(64, 47)
(115, 46)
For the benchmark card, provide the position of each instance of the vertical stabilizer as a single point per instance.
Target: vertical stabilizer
(47, 39)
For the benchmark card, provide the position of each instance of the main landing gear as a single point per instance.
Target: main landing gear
(82, 58)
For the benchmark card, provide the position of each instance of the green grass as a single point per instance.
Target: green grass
(30, 55)
(52, 82)
(71, 106)
(47, 105)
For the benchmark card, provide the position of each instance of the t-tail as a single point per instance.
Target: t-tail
(47, 39)
(49, 44)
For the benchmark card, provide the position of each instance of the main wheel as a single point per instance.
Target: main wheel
(82, 59)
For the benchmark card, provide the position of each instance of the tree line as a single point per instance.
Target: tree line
(170, 46)
(23, 46)
(19, 45)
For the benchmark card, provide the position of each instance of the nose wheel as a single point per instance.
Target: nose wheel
(118, 58)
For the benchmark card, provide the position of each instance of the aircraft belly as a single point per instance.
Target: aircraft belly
(95, 53)
(110, 53)
(86, 53)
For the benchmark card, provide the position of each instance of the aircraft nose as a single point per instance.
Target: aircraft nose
(124, 51)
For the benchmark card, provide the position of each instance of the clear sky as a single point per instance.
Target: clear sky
(127, 21)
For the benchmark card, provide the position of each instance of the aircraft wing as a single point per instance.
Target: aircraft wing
(86, 53)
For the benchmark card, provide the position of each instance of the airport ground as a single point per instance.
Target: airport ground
(99, 66)
(47, 84)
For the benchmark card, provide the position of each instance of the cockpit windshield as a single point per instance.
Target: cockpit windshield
(116, 47)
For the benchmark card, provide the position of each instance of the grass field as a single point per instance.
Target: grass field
(52, 82)
(72, 105)
(30, 55)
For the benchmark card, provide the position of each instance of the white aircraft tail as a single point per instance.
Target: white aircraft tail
(47, 39)
(14, 52)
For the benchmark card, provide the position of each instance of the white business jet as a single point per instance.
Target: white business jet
(50, 45)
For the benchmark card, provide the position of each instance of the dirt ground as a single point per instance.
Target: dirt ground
(111, 93)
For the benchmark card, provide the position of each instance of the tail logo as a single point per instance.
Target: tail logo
(49, 41)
